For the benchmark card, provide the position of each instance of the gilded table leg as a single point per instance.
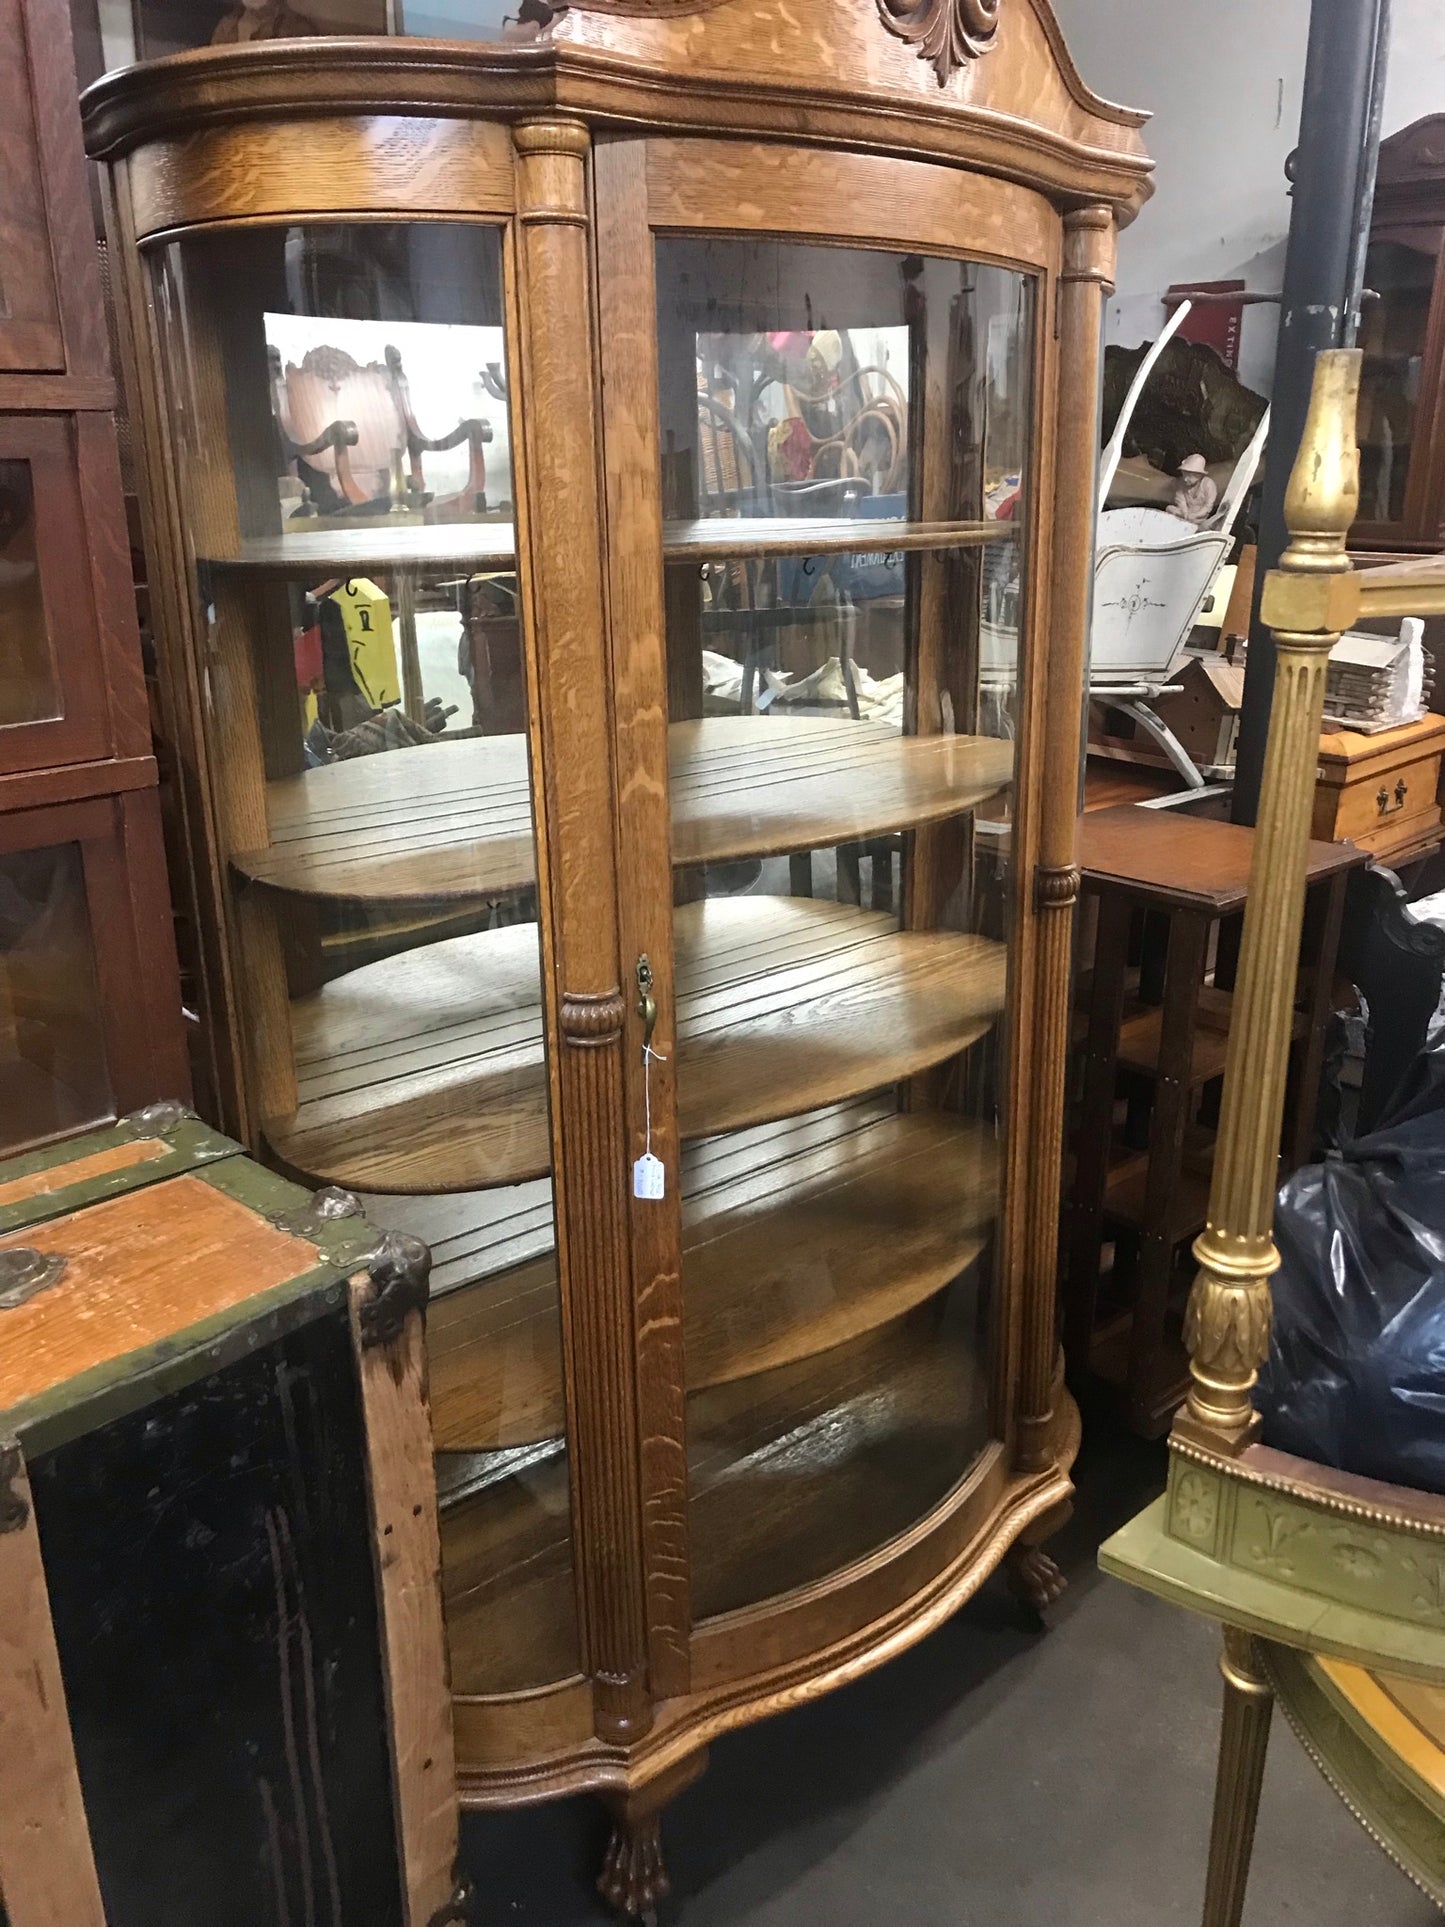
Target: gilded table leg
(1243, 1740)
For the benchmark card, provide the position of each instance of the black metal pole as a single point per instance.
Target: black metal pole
(1334, 184)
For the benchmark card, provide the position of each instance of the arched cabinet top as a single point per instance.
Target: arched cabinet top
(981, 83)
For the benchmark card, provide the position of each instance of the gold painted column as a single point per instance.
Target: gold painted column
(1243, 1745)
(587, 1013)
(1084, 283)
(1228, 1320)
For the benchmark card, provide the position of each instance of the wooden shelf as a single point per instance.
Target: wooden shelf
(449, 820)
(1139, 1038)
(313, 554)
(305, 553)
(792, 1476)
(1127, 1189)
(739, 536)
(425, 1072)
(797, 1237)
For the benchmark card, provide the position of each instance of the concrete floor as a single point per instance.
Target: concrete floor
(995, 1776)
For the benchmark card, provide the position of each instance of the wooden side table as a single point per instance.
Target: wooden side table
(1193, 872)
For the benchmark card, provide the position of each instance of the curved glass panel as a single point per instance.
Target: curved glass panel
(846, 498)
(341, 396)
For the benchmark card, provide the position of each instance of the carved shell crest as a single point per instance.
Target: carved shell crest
(947, 32)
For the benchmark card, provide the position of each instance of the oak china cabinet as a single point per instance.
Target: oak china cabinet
(1402, 333)
(620, 506)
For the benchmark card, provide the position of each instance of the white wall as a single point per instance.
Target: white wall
(1224, 79)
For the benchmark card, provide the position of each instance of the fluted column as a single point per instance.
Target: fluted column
(571, 720)
(1085, 280)
(1243, 1744)
(1228, 1321)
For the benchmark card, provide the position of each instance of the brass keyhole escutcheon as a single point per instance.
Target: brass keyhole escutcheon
(646, 1002)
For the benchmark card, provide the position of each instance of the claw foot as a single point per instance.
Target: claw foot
(634, 1879)
(1034, 1578)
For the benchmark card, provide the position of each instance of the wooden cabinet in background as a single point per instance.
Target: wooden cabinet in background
(712, 1027)
(1402, 333)
(1381, 792)
(90, 1010)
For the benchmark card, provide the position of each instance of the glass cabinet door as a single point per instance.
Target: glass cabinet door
(845, 440)
(1394, 333)
(341, 396)
(52, 675)
(54, 1055)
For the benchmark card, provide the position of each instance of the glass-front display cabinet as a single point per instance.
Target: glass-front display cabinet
(1402, 332)
(627, 571)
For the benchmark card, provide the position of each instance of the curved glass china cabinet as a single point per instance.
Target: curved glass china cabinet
(622, 569)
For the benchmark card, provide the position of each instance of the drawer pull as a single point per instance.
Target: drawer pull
(1382, 799)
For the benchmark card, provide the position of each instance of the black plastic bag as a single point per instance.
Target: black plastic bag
(1356, 1372)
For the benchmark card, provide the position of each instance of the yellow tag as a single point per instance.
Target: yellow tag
(366, 617)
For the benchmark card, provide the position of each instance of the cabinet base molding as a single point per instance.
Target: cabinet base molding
(534, 1746)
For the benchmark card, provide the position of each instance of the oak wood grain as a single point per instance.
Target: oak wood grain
(831, 71)
(425, 1073)
(571, 712)
(354, 164)
(642, 666)
(750, 186)
(448, 820)
(1072, 436)
(46, 1864)
(796, 1237)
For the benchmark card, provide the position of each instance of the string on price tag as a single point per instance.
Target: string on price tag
(649, 1173)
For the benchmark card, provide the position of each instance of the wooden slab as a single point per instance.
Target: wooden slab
(407, 1553)
(309, 553)
(730, 536)
(138, 1269)
(47, 1868)
(60, 1177)
(792, 1475)
(454, 819)
(425, 1073)
(312, 554)
(797, 1237)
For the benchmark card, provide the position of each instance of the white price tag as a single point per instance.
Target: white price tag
(649, 1177)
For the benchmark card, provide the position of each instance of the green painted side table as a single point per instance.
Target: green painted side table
(1332, 1593)
(1330, 1589)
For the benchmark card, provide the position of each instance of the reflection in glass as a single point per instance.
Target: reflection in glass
(53, 1076)
(341, 395)
(1393, 333)
(845, 445)
(28, 691)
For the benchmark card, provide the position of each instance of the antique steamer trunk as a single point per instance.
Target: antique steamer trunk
(223, 1692)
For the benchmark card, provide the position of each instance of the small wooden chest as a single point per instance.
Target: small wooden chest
(223, 1691)
(1381, 792)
